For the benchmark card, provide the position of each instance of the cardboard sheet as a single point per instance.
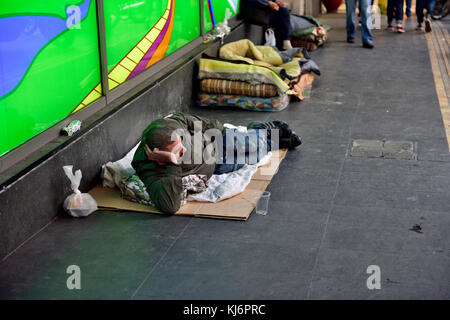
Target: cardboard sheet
(238, 207)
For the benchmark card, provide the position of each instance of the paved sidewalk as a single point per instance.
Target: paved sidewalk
(332, 215)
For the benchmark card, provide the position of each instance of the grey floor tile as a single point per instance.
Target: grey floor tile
(394, 181)
(204, 254)
(301, 224)
(121, 221)
(433, 149)
(387, 230)
(395, 166)
(362, 194)
(312, 186)
(392, 128)
(315, 156)
(221, 284)
(342, 274)
(112, 264)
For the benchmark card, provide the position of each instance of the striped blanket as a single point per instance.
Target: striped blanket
(252, 74)
(239, 88)
(243, 102)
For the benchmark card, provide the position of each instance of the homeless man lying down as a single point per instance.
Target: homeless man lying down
(180, 144)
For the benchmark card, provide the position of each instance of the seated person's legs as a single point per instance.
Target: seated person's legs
(279, 18)
(280, 21)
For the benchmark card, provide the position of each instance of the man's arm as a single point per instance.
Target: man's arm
(163, 183)
(166, 190)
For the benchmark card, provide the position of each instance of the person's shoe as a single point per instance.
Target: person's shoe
(287, 45)
(419, 27)
(350, 40)
(290, 143)
(368, 45)
(296, 140)
(400, 28)
(427, 25)
(390, 27)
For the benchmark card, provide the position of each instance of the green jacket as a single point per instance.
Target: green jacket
(163, 183)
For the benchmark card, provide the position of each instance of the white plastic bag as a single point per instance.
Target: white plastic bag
(78, 204)
(270, 38)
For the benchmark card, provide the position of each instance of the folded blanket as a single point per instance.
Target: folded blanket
(252, 74)
(286, 64)
(247, 51)
(237, 88)
(243, 102)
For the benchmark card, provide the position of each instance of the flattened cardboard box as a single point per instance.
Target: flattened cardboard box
(238, 207)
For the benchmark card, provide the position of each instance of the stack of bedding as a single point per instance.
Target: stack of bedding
(253, 77)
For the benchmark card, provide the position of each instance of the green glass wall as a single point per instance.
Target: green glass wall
(141, 32)
(49, 62)
(50, 57)
(214, 10)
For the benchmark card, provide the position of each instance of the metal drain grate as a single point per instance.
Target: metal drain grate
(389, 149)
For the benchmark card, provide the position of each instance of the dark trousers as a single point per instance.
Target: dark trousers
(396, 5)
(420, 5)
(248, 155)
(280, 21)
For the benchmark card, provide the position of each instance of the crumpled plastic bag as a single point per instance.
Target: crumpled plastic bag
(78, 204)
(220, 30)
(270, 38)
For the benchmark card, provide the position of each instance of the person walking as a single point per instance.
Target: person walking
(420, 5)
(408, 8)
(366, 22)
(397, 6)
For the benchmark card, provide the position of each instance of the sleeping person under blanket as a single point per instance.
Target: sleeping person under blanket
(180, 144)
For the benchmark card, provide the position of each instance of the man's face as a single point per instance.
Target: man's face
(176, 148)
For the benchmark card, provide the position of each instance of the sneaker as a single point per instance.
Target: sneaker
(290, 143)
(419, 27)
(427, 25)
(390, 27)
(368, 45)
(350, 40)
(400, 28)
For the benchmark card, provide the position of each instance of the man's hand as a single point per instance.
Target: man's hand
(273, 6)
(160, 157)
(280, 3)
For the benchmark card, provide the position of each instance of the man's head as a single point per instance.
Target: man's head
(162, 139)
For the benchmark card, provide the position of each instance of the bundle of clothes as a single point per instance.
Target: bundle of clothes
(259, 78)
(308, 32)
